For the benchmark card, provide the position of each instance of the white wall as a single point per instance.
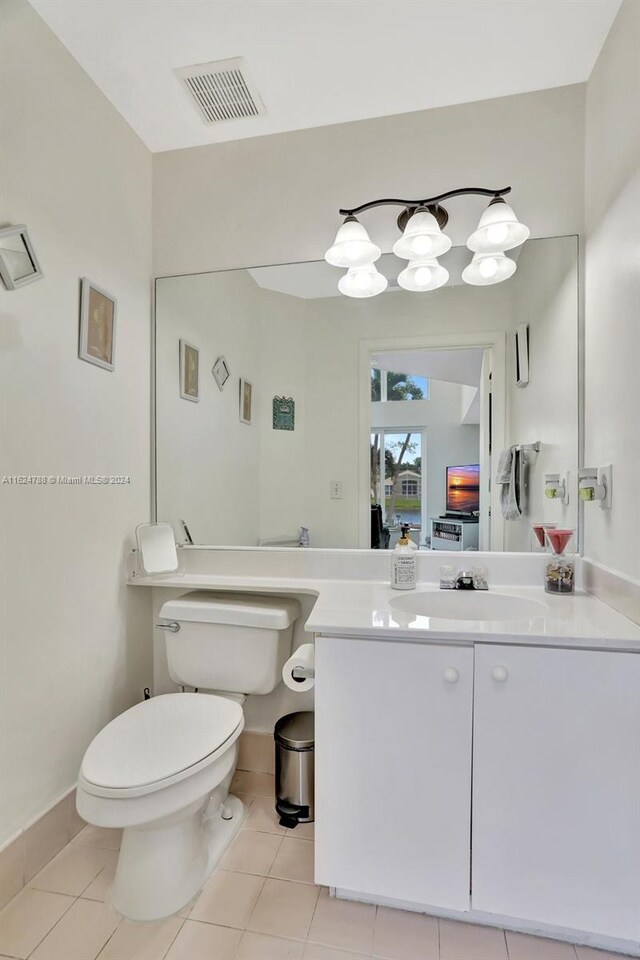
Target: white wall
(546, 408)
(76, 641)
(275, 199)
(612, 292)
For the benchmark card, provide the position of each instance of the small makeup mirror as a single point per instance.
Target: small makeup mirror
(157, 546)
(18, 262)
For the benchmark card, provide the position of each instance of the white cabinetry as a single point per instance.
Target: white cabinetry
(393, 769)
(556, 795)
(556, 781)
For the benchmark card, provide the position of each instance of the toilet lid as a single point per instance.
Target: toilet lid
(159, 738)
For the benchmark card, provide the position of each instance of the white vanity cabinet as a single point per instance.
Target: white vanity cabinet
(555, 799)
(393, 769)
(556, 787)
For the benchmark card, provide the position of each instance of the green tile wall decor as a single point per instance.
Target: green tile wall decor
(284, 413)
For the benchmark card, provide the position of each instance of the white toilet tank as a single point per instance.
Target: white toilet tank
(231, 642)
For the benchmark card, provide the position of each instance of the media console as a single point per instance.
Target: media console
(448, 533)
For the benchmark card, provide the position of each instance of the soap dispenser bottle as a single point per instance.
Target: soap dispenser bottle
(403, 563)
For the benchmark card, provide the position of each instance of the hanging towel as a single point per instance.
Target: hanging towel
(509, 473)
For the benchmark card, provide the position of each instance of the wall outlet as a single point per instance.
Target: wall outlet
(604, 477)
(335, 489)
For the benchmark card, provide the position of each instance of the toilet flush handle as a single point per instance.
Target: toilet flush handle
(172, 627)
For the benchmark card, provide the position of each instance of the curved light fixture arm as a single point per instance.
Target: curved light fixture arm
(428, 202)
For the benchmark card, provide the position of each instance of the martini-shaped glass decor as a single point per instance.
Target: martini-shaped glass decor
(560, 571)
(538, 528)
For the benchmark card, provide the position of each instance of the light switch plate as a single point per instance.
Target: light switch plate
(335, 489)
(604, 477)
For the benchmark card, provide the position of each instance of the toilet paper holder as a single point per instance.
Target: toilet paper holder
(303, 673)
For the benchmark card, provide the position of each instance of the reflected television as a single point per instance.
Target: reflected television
(463, 490)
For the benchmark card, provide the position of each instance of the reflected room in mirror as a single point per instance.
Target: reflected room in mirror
(410, 408)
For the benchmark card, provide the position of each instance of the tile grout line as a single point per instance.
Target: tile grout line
(76, 897)
(184, 920)
(75, 900)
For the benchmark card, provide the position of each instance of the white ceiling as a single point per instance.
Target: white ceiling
(318, 62)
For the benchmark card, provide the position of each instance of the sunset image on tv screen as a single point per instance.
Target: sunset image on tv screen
(463, 488)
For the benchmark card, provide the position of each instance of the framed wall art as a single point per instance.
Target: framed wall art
(246, 401)
(97, 325)
(284, 411)
(189, 371)
(221, 372)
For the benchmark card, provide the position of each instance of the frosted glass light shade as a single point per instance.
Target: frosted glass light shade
(488, 268)
(352, 247)
(361, 282)
(499, 229)
(422, 238)
(422, 275)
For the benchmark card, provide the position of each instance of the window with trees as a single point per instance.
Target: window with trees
(386, 385)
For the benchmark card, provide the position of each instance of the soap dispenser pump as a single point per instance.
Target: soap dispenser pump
(403, 563)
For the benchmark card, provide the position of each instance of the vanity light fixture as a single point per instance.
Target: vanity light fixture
(422, 275)
(488, 268)
(422, 223)
(422, 237)
(498, 230)
(361, 282)
(352, 246)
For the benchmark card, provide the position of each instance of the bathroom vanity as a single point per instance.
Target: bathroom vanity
(477, 754)
(497, 779)
(494, 775)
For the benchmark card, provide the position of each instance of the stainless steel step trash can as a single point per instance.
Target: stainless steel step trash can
(294, 737)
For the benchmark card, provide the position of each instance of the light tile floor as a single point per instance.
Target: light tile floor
(260, 904)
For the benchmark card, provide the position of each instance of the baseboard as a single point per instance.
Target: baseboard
(39, 842)
(256, 752)
(615, 589)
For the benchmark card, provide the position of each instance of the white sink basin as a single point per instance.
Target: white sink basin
(469, 605)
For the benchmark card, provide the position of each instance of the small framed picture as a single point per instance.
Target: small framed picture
(189, 372)
(246, 401)
(284, 413)
(97, 325)
(221, 373)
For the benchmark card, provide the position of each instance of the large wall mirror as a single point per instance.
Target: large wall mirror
(281, 404)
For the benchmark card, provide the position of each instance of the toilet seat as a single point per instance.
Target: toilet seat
(159, 742)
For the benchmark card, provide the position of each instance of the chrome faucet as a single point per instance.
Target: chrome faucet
(472, 580)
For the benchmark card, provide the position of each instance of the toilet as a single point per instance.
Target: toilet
(162, 769)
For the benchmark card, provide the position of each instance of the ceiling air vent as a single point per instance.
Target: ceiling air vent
(222, 90)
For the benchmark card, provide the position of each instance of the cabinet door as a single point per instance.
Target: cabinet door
(393, 769)
(556, 796)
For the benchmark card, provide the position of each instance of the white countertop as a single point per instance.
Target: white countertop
(361, 608)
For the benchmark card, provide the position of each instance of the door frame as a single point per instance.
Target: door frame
(493, 341)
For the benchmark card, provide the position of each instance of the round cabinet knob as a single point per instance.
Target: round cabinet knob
(451, 675)
(500, 674)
